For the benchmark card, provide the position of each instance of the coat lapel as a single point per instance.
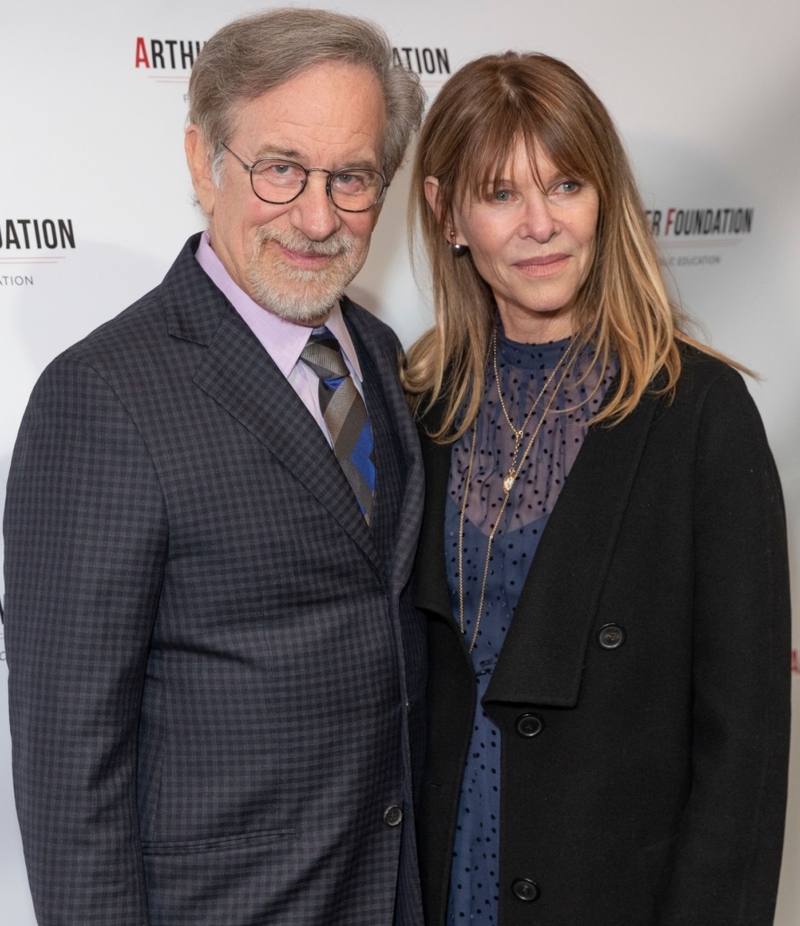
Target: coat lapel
(240, 375)
(543, 655)
(542, 659)
(431, 591)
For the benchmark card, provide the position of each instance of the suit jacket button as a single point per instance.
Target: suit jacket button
(525, 889)
(393, 815)
(529, 725)
(611, 636)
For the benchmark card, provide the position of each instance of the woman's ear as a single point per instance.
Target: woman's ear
(432, 195)
(434, 201)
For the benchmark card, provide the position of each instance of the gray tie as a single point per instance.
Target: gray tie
(345, 415)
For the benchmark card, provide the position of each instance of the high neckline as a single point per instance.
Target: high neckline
(529, 356)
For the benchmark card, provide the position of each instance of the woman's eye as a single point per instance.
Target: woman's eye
(569, 186)
(499, 196)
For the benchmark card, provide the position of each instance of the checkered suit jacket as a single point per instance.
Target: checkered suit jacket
(215, 667)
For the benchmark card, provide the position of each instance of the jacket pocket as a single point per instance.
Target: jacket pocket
(223, 844)
(658, 862)
(240, 880)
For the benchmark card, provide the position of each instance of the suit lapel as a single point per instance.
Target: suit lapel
(543, 656)
(240, 375)
(396, 435)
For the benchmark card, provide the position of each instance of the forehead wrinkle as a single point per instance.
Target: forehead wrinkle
(276, 151)
(331, 116)
(348, 152)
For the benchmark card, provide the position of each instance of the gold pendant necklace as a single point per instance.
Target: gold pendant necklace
(513, 471)
(510, 479)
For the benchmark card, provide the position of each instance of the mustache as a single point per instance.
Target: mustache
(338, 244)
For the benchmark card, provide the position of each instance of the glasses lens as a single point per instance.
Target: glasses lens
(356, 190)
(277, 181)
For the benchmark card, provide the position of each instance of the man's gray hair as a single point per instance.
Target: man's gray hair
(257, 53)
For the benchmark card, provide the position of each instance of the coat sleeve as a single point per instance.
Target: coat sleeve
(729, 849)
(85, 546)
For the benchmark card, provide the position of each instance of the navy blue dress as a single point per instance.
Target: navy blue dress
(523, 371)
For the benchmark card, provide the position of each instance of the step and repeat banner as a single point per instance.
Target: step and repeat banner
(95, 199)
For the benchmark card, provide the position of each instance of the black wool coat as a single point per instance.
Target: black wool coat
(642, 694)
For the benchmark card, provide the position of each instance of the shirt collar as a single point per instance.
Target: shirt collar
(282, 339)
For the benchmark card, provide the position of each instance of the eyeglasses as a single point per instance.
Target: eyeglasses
(278, 181)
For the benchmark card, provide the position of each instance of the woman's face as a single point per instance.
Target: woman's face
(533, 246)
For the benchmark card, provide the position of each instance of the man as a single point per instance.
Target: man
(215, 666)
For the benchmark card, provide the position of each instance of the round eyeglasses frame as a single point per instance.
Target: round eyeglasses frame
(310, 170)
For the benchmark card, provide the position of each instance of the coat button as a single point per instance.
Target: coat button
(525, 889)
(611, 636)
(393, 815)
(529, 725)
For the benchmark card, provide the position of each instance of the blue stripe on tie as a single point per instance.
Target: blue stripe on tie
(362, 456)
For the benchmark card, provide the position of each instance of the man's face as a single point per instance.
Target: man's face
(295, 259)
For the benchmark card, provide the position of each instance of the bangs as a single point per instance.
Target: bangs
(521, 119)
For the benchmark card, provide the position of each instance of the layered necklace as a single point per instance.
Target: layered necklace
(561, 370)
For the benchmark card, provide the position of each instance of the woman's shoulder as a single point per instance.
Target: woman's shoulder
(711, 398)
(429, 417)
(702, 372)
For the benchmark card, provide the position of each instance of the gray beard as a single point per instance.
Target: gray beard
(302, 296)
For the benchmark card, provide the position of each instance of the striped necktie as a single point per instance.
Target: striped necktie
(345, 415)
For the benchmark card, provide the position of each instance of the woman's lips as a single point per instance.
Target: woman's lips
(542, 266)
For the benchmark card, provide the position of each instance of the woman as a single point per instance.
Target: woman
(609, 696)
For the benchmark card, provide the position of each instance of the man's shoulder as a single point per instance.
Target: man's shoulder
(142, 327)
(136, 333)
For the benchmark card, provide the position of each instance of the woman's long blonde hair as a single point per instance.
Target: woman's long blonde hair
(479, 116)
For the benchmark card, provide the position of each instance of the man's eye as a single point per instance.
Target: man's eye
(280, 172)
(351, 181)
(354, 182)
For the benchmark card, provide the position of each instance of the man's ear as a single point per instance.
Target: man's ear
(197, 157)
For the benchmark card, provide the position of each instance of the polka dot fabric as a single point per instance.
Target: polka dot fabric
(523, 371)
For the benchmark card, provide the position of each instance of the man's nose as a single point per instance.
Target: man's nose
(313, 212)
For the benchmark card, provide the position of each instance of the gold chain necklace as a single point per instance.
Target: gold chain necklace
(508, 482)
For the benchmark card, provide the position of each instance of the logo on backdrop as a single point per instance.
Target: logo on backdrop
(694, 229)
(167, 54)
(28, 242)
(432, 64)
(171, 60)
(795, 662)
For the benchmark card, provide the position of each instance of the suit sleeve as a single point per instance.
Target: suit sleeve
(85, 547)
(729, 851)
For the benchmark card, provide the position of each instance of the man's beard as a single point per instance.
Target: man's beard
(297, 294)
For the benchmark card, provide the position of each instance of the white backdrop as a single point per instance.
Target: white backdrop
(95, 200)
